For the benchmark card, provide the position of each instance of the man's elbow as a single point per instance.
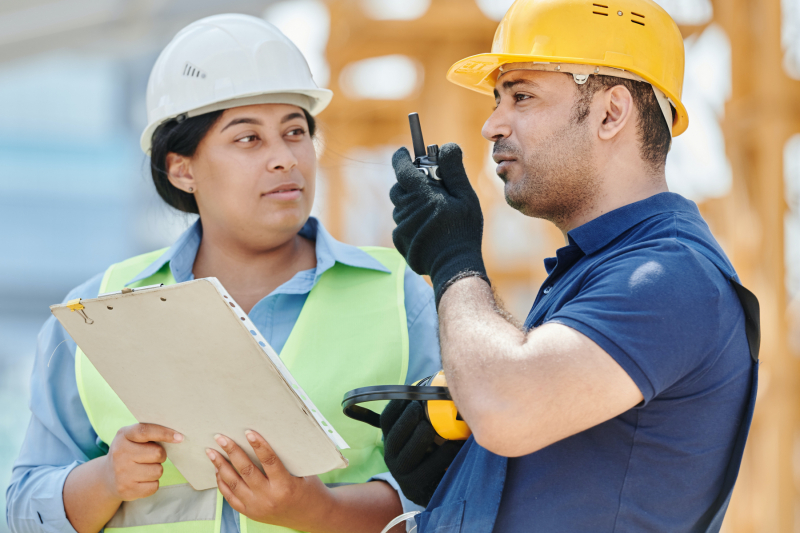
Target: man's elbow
(503, 434)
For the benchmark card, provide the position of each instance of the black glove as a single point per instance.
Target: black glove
(417, 463)
(439, 223)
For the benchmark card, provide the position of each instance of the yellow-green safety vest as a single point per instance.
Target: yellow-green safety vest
(351, 332)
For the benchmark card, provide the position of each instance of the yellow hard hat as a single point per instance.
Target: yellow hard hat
(633, 39)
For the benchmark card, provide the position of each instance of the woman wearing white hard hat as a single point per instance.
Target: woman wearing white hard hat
(230, 107)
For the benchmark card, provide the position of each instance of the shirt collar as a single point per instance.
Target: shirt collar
(330, 251)
(182, 253)
(597, 233)
(180, 256)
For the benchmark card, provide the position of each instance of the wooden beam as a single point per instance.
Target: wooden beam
(759, 118)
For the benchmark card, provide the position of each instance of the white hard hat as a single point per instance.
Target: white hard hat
(228, 61)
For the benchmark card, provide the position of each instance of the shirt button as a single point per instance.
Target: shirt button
(547, 289)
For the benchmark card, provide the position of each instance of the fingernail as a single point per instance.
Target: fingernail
(211, 455)
(177, 437)
(220, 440)
(250, 435)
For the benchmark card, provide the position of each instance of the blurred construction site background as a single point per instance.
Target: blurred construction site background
(76, 196)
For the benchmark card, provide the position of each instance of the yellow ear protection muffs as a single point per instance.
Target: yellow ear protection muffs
(431, 391)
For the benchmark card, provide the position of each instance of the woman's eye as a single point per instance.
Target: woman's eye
(247, 139)
(296, 132)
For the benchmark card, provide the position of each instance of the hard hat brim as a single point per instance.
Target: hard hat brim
(479, 73)
(318, 100)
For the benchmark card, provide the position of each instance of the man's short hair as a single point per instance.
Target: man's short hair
(654, 135)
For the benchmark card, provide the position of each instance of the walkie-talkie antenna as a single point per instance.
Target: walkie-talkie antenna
(427, 160)
(416, 135)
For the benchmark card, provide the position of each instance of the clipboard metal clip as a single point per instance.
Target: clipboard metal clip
(76, 305)
(128, 290)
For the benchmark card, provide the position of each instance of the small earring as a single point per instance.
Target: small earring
(191, 189)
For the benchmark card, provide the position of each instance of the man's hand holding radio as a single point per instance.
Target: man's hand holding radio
(439, 223)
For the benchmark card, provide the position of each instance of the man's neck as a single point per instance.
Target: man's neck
(617, 191)
(248, 273)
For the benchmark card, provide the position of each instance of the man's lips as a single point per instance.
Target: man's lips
(503, 162)
(500, 158)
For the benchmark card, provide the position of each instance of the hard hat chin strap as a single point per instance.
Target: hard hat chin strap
(581, 73)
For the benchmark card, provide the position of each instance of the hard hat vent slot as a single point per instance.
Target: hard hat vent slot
(637, 22)
(600, 5)
(637, 14)
(192, 71)
(598, 13)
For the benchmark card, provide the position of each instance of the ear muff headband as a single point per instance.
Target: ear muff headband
(352, 400)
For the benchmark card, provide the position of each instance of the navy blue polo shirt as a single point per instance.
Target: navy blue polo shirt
(645, 282)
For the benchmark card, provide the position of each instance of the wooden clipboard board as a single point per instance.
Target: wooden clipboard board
(187, 357)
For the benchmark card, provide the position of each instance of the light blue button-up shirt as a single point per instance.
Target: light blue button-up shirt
(60, 436)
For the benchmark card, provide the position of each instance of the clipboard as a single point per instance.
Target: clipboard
(187, 357)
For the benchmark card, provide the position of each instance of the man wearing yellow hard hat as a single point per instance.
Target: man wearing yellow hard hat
(624, 402)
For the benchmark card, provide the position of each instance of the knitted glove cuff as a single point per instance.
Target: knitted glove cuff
(460, 267)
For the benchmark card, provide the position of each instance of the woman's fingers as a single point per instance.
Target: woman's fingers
(273, 466)
(146, 488)
(149, 472)
(228, 476)
(228, 494)
(247, 470)
(150, 433)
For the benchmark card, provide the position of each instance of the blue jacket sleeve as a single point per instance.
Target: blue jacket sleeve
(59, 437)
(424, 358)
(656, 311)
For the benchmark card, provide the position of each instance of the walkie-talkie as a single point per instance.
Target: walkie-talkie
(425, 160)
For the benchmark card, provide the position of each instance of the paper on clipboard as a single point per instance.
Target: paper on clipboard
(187, 357)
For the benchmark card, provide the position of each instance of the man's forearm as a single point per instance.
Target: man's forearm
(478, 347)
(87, 502)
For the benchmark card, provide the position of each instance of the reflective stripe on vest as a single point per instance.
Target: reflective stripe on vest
(352, 330)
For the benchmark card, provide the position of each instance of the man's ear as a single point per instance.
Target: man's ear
(619, 110)
(179, 172)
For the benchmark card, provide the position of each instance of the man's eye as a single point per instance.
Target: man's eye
(520, 97)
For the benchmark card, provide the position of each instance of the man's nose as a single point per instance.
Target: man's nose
(496, 126)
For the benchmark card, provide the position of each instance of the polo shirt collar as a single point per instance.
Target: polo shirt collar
(182, 253)
(599, 232)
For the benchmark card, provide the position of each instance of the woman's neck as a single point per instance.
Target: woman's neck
(249, 274)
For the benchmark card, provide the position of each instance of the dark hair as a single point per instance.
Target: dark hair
(654, 135)
(182, 136)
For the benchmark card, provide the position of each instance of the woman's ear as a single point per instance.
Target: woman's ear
(619, 111)
(179, 174)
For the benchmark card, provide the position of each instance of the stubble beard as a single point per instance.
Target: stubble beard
(558, 180)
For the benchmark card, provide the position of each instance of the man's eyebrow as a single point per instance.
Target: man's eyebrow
(510, 84)
(291, 116)
(242, 120)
